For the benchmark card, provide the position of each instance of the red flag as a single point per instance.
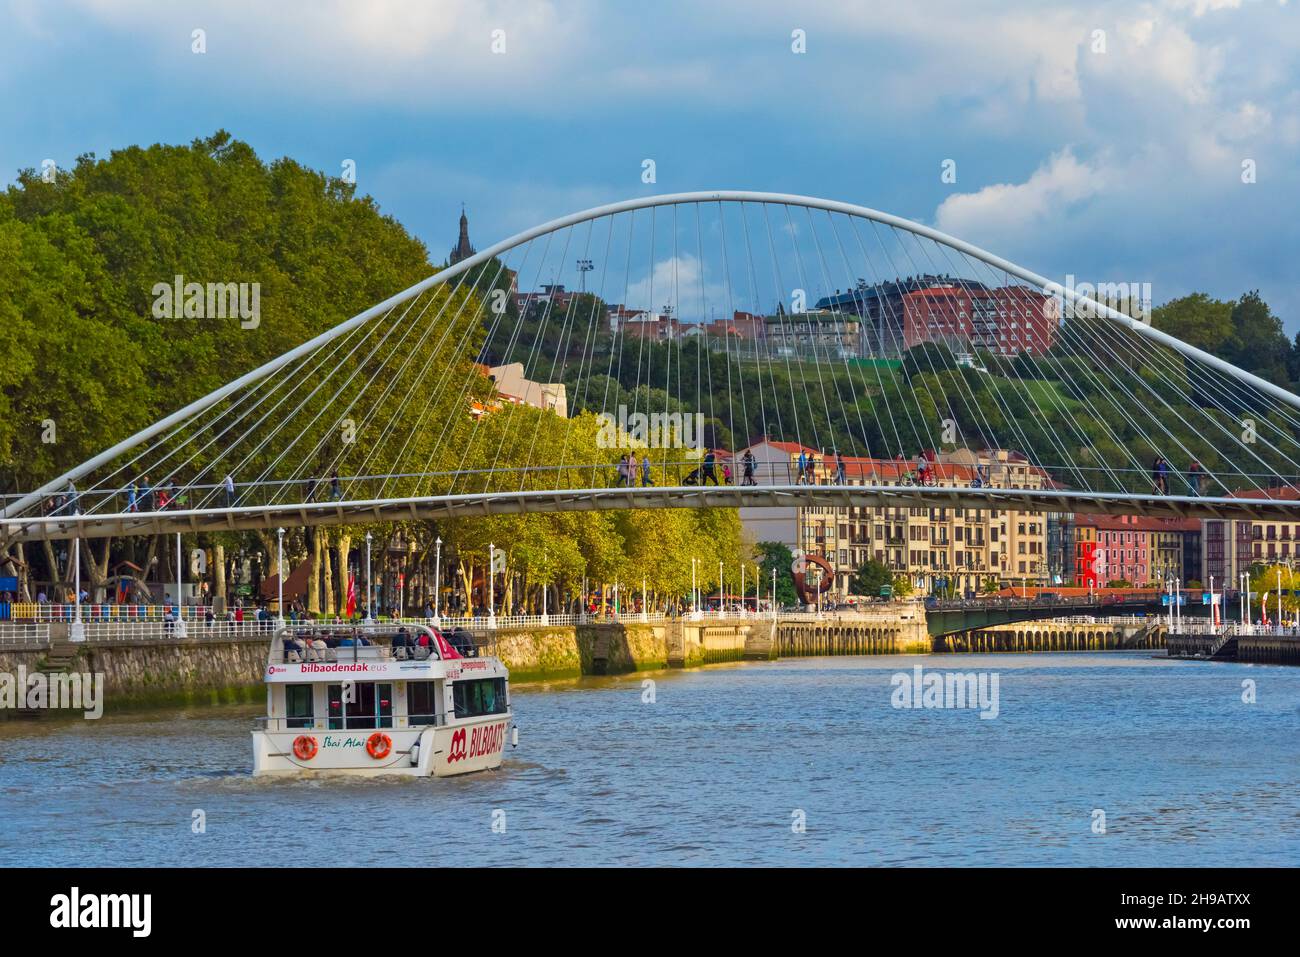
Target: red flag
(352, 596)
(445, 650)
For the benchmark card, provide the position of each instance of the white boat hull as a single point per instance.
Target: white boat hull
(476, 744)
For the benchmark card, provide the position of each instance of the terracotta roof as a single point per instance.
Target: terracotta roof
(794, 448)
(1137, 523)
(1287, 492)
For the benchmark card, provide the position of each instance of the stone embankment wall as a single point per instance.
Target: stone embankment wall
(172, 672)
(1055, 636)
(892, 629)
(169, 671)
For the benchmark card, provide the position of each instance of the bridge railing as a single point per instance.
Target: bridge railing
(99, 611)
(1234, 628)
(663, 472)
(21, 637)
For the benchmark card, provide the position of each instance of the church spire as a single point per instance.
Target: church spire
(463, 248)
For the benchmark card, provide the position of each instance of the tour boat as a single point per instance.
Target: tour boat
(380, 699)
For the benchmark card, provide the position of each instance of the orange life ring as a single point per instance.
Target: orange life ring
(378, 745)
(304, 747)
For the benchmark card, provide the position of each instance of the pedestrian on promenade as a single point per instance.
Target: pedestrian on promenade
(336, 488)
(841, 476)
(633, 469)
(1194, 473)
(1160, 475)
(229, 485)
(645, 471)
(803, 468)
(709, 474)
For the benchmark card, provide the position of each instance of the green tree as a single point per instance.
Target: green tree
(774, 556)
(870, 578)
(1258, 343)
(1196, 319)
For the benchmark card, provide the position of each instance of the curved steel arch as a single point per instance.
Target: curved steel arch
(645, 202)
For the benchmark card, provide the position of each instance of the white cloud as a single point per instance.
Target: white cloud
(400, 52)
(1014, 211)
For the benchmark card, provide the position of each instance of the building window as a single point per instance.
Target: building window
(368, 704)
(298, 706)
(421, 702)
(482, 696)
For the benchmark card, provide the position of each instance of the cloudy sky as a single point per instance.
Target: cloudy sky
(1104, 140)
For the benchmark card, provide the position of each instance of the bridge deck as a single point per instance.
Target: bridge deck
(779, 496)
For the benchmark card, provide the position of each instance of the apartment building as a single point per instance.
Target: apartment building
(1229, 547)
(1138, 550)
(941, 548)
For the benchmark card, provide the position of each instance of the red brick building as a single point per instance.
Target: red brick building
(1007, 320)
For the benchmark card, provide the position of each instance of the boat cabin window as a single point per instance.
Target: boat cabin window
(482, 696)
(361, 704)
(421, 702)
(298, 707)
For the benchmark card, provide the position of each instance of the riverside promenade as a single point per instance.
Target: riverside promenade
(149, 663)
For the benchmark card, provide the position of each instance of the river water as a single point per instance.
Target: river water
(722, 767)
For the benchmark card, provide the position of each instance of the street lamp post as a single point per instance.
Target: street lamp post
(179, 631)
(721, 594)
(370, 588)
(279, 578)
(1279, 595)
(694, 604)
(492, 598)
(1178, 600)
(78, 630)
(437, 581)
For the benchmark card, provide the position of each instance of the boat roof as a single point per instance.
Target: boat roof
(378, 659)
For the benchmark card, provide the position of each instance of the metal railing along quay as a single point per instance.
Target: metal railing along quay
(19, 635)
